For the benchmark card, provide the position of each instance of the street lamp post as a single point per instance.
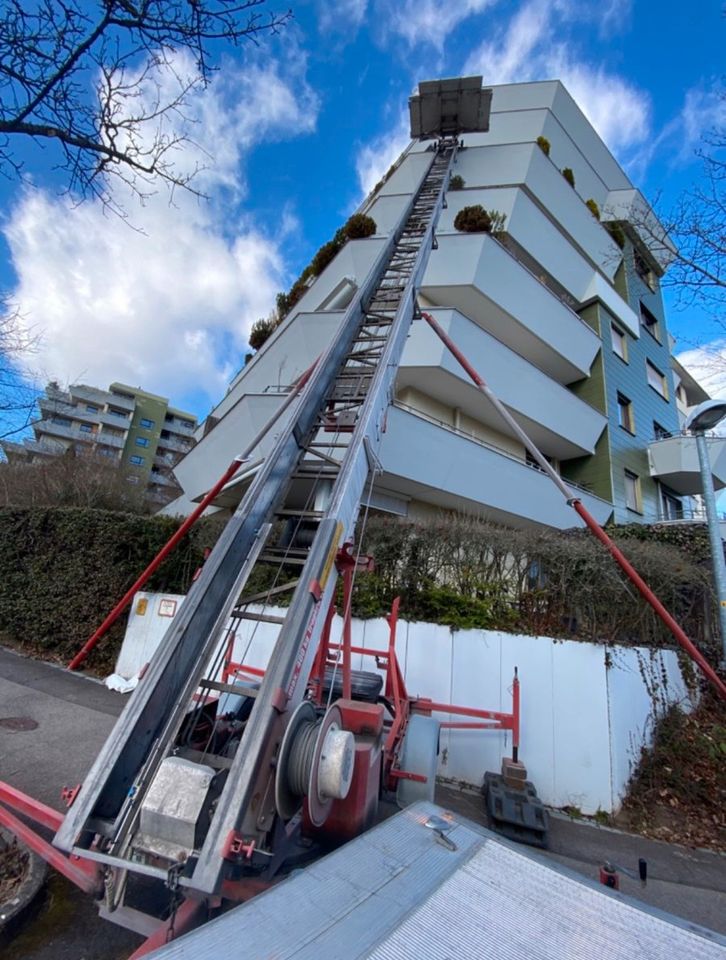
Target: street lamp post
(705, 417)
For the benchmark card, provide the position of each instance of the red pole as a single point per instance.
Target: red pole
(189, 522)
(515, 717)
(590, 521)
(82, 873)
(30, 807)
(651, 598)
(347, 605)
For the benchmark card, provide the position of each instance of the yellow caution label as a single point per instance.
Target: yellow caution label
(332, 552)
(141, 605)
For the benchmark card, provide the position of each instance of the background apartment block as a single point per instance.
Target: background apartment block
(137, 431)
(561, 313)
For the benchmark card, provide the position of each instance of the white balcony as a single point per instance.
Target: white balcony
(525, 164)
(29, 448)
(206, 462)
(431, 462)
(101, 397)
(161, 479)
(557, 421)
(175, 443)
(55, 407)
(477, 276)
(674, 461)
(632, 207)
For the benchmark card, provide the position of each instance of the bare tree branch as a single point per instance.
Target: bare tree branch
(79, 74)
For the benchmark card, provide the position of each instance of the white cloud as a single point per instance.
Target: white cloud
(427, 21)
(534, 45)
(345, 16)
(703, 112)
(375, 158)
(167, 304)
(707, 365)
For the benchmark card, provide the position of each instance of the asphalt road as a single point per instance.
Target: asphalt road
(52, 724)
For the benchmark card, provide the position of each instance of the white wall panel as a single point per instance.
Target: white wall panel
(583, 722)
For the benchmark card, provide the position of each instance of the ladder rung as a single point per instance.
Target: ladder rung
(266, 594)
(316, 514)
(279, 558)
(240, 689)
(258, 617)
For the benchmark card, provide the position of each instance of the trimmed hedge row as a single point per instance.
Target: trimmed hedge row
(62, 570)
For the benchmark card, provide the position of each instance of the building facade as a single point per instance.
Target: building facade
(560, 311)
(129, 428)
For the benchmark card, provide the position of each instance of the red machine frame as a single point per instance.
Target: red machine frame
(400, 704)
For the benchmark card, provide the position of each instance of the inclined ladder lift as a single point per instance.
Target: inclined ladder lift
(155, 795)
(216, 774)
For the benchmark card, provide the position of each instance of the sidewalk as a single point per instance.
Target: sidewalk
(71, 716)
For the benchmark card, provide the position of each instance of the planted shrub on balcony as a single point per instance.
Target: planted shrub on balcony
(359, 226)
(456, 182)
(593, 208)
(476, 219)
(616, 232)
(569, 176)
(544, 145)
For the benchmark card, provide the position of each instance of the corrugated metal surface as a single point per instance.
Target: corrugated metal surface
(396, 892)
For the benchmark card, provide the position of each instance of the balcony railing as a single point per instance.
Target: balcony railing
(483, 443)
(175, 443)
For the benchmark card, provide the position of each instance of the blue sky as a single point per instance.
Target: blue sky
(292, 134)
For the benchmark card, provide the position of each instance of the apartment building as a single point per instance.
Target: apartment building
(560, 311)
(132, 429)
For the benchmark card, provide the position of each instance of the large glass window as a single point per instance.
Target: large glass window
(142, 441)
(146, 424)
(136, 460)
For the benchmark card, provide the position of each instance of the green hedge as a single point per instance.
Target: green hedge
(62, 571)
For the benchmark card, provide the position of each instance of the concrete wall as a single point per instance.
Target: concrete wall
(586, 709)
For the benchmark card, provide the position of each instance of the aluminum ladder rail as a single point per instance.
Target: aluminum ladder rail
(353, 378)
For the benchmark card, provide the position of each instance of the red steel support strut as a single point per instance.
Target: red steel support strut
(83, 873)
(589, 520)
(188, 523)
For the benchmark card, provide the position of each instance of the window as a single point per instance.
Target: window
(86, 428)
(671, 507)
(632, 491)
(146, 424)
(681, 394)
(656, 379)
(62, 421)
(136, 460)
(142, 441)
(649, 322)
(187, 424)
(643, 270)
(625, 414)
(118, 413)
(132, 479)
(659, 432)
(620, 345)
(90, 408)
